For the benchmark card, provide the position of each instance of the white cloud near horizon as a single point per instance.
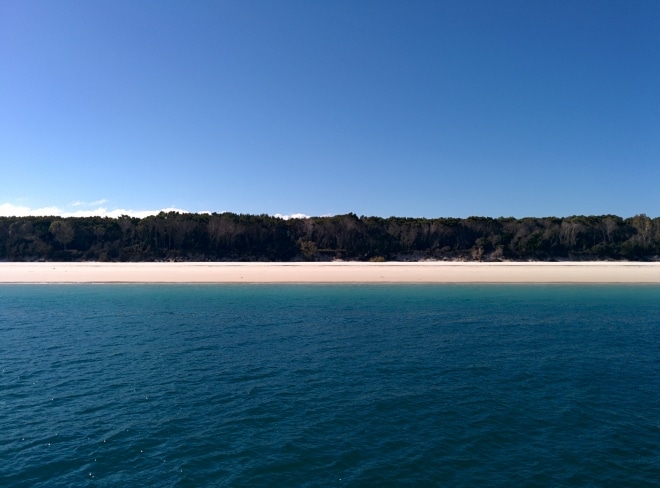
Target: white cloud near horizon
(95, 203)
(291, 216)
(11, 210)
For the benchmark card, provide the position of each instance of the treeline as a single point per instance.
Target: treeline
(233, 237)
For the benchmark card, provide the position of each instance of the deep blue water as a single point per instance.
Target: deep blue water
(383, 385)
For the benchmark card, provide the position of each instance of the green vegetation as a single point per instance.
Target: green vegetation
(232, 237)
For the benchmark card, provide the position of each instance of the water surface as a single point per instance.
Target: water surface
(329, 385)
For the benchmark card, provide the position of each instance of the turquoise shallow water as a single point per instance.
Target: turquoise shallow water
(384, 385)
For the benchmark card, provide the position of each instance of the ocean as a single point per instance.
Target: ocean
(329, 385)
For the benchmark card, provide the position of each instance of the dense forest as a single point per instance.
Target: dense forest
(232, 237)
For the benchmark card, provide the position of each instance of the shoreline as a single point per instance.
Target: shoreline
(333, 272)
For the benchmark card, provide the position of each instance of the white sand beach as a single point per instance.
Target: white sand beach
(332, 272)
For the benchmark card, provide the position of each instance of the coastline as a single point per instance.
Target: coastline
(333, 272)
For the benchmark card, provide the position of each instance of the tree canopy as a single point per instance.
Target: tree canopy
(239, 237)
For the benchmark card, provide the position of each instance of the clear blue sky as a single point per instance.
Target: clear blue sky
(408, 108)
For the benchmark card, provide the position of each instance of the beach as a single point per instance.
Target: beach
(332, 272)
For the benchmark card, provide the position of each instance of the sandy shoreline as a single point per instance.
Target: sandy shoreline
(335, 272)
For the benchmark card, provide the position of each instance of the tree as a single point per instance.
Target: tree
(62, 232)
(644, 226)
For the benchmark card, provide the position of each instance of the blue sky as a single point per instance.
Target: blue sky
(415, 108)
